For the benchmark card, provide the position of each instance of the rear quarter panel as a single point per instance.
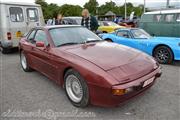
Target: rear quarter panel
(172, 43)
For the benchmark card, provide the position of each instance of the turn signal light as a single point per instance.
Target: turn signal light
(118, 91)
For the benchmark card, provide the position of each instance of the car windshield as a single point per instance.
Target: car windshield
(72, 35)
(111, 24)
(140, 34)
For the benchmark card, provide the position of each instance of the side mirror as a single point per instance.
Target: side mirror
(40, 44)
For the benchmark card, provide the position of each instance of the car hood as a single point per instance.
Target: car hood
(108, 55)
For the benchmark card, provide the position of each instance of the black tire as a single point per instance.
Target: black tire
(163, 55)
(108, 40)
(27, 68)
(85, 96)
(5, 50)
(105, 32)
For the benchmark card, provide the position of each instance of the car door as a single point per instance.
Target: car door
(41, 58)
(145, 45)
(27, 44)
(32, 17)
(124, 37)
(16, 22)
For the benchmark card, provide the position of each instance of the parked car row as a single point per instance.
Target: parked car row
(164, 49)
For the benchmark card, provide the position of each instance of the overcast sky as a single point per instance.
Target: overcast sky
(150, 3)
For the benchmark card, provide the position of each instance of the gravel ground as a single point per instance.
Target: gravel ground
(32, 94)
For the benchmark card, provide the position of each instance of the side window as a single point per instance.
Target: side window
(32, 14)
(16, 14)
(169, 18)
(41, 36)
(123, 34)
(105, 24)
(178, 18)
(157, 18)
(31, 35)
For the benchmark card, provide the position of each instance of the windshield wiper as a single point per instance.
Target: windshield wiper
(70, 43)
(88, 41)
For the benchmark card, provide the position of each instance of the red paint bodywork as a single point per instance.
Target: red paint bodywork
(102, 64)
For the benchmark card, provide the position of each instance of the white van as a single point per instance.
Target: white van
(17, 19)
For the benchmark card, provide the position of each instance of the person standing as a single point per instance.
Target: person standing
(89, 21)
(59, 20)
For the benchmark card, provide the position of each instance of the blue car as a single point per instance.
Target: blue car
(164, 49)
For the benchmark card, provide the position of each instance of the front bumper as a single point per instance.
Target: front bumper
(9, 43)
(103, 96)
(6, 43)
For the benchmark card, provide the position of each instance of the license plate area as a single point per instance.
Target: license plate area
(149, 81)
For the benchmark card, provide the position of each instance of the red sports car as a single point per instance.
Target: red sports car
(91, 70)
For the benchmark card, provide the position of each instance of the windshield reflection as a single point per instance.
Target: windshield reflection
(140, 34)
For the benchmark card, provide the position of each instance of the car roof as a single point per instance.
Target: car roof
(164, 11)
(58, 26)
(19, 3)
(73, 17)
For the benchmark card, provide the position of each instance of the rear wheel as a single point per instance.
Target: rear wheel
(108, 40)
(76, 88)
(5, 50)
(24, 63)
(163, 54)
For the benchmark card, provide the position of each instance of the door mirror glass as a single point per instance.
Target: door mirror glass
(40, 44)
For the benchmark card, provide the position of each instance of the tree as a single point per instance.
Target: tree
(43, 6)
(70, 10)
(42, 3)
(51, 10)
(91, 6)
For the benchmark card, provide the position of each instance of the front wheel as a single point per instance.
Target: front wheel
(76, 88)
(163, 54)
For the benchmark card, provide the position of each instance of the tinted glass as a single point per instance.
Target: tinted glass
(178, 18)
(100, 23)
(31, 36)
(16, 14)
(32, 14)
(140, 34)
(169, 18)
(72, 35)
(41, 36)
(111, 24)
(157, 18)
(123, 34)
(78, 21)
